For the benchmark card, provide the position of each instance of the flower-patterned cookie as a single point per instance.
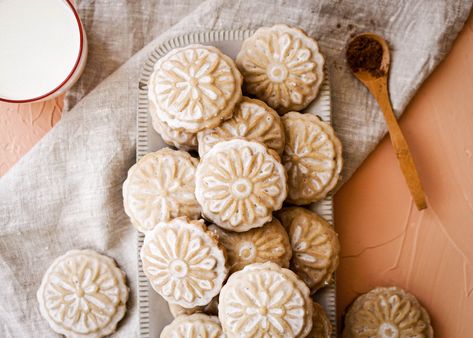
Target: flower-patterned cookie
(315, 246)
(312, 158)
(321, 326)
(83, 294)
(209, 309)
(196, 325)
(387, 312)
(239, 183)
(282, 66)
(265, 300)
(194, 87)
(180, 139)
(183, 262)
(252, 120)
(270, 243)
(161, 187)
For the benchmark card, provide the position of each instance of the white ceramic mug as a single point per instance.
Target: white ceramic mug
(43, 49)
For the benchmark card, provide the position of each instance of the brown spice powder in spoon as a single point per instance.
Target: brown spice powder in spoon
(365, 54)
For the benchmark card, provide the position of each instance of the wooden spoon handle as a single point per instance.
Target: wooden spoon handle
(380, 91)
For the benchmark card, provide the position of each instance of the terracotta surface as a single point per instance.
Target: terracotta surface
(385, 240)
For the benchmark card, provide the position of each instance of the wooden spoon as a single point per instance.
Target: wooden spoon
(375, 77)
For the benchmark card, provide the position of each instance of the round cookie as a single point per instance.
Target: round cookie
(239, 183)
(83, 294)
(196, 325)
(312, 158)
(209, 309)
(315, 246)
(183, 262)
(194, 87)
(282, 66)
(252, 120)
(265, 300)
(178, 138)
(321, 326)
(160, 187)
(387, 312)
(270, 243)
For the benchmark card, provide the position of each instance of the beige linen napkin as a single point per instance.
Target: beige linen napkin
(66, 192)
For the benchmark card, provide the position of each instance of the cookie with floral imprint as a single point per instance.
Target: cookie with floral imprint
(83, 294)
(184, 262)
(252, 120)
(194, 87)
(387, 312)
(315, 246)
(312, 158)
(270, 243)
(180, 139)
(321, 326)
(160, 187)
(197, 325)
(239, 184)
(265, 300)
(282, 66)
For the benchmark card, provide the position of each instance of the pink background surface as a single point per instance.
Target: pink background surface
(385, 240)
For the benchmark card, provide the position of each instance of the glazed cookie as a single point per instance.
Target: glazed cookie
(315, 246)
(282, 66)
(239, 183)
(197, 325)
(209, 309)
(270, 243)
(160, 187)
(265, 300)
(252, 120)
(312, 158)
(387, 312)
(83, 294)
(194, 87)
(178, 138)
(184, 262)
(321, 326)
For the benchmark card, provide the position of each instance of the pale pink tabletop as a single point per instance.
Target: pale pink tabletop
(385, 240)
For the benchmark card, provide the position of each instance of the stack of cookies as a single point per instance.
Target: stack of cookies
(250, 268)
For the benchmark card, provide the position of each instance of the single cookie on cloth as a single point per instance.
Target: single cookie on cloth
(315, 246)
(209, 309)
(312, 158)
(159, 187)
(270, 243)
(387, 312)
(239, 183)
(252, 120)
(180, 139)
(184, 262)
(83, 294)
(321, 326)
(196, 325)
(265, 300)
(282, 66)
(194, 87)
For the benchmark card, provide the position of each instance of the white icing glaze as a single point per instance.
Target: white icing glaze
(195, 87)
(252, 120)
(312, 158)
(239, 183)
(161, 187)
(282, 66)
(183, 262)
(263, 301)
(83, 294)
(193, 326)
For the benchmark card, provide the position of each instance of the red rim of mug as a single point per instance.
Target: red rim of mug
(79, 57)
